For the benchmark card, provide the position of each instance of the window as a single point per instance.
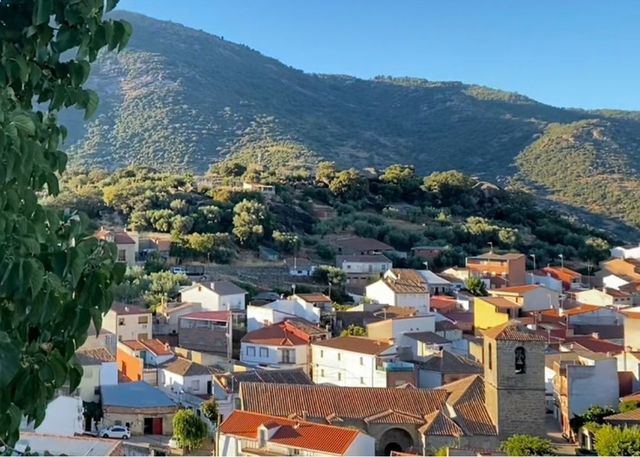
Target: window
(264, 352)
(251, 351)
(339, 376)
(339, 356)
(361, 361)
(361, 380)
(122, 255)
(121, 321)
(288, 356)
(143, 319)
(195, 385)
(520, 360)
(322, 372)
(490, 357)
(321, 353)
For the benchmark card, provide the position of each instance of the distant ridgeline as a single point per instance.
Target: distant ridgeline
(181, 99)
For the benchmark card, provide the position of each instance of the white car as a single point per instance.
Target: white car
(116, 431)
(179, 271)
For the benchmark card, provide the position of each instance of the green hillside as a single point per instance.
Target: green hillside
(180, 99)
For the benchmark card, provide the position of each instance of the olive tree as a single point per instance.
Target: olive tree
(55, 279)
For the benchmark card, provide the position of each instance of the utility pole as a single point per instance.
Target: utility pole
(533, 256)
(561, 260)
(490, 243)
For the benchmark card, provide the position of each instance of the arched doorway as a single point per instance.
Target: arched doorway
(395, 439)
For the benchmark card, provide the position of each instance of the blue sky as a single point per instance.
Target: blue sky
(573, 53)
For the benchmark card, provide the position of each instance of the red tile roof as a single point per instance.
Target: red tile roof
(438, 424)
(278, 334)
(467, 399)
(216, 316)
(443, 303)
(314, 298)
(154, 345)
(595, 344)
(513, 331)
(582, 309)
(290, 433)
(321, 401)
(628, 416)
(117, 236)
(358, 344)
(517, 290)
(500, 302)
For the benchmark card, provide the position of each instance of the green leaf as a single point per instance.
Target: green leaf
(128, 31)
(91, 103)
(111, 4)
(75, 375)
(24, 123)
(9, 359)
(42, 12)
(66, 39)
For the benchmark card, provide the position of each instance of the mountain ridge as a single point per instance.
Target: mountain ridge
(180, 98)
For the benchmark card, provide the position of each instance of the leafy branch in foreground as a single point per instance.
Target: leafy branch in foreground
(55, 279)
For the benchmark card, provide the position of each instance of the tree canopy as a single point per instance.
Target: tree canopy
(519, 445)
(189, 429)
(55, 278)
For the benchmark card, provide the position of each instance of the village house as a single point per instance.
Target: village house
(320, 301)
(545, 279)
(182, 375)
(50, 444)
(215, 296)
(605, 297)
(436, 283)
(350, 245)
(99, 369)
(476, 412)
(280, 310)
(167, 317)
(363, 267)
(500, 269)
(626, 252)
(128, 322)
(138, 360)
(63, 416)
(139, 406)
(400, 287)
(246, 433)
(570, 279)
(531, 297)
(300, 266)
(282, 345)
(266, 190)
(618, 270)
(352, 361)
(207, 331)
(632, 328)
(587, 379)
(489, 312)
(125, 245)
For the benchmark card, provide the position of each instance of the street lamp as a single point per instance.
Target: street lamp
(561, 260)
(533, 256)
(490, 243)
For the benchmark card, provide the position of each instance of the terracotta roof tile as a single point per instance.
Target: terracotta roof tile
(467, 399)
(94, 356)
(450, 363)
(279, 334)
(154, 345)
(291, 433)
(500, 302)
(633, 415)
(115, 236)
(295, 376)
(314, 298)
(355, 403)
(594, 344)
(496, 256)
(513, 331)
(358, 344)
(394, 417)
(185, 367)
(515, 289)
(362, 258)
(427, 337)
(438, 424)
(578, 310)
(216, 316)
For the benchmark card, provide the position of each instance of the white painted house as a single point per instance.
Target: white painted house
(626, 252)
(531, 297)
(352, 361)
(100, 369)
(437, 284)
(280, 310)
(215, 296)
(188, 376)
(279, 346)
(244, 431)
(374, 264)
(401, 287)
(128, 322)
(63, 417)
